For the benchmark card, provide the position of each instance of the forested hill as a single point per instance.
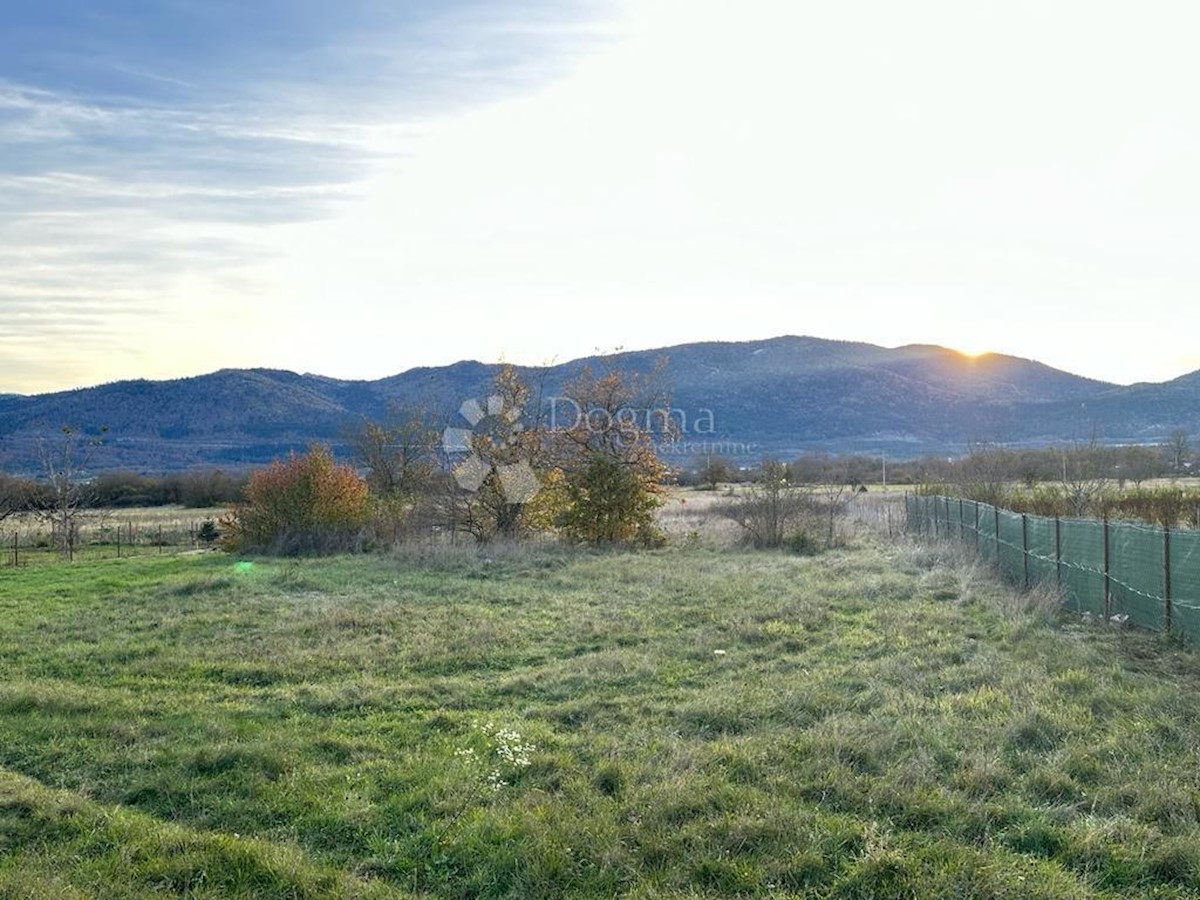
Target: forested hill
(782, 395)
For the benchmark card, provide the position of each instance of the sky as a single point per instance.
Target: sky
(360, 187)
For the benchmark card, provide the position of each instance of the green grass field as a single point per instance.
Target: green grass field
(878, 721)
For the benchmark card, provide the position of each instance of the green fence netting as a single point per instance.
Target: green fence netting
(1185, 584)
(1043, 554)
(1149, 575)
(1137, 577)
(1082, 554)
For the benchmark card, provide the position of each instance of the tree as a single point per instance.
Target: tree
(1083, 479)
(201, 490)
(607, 453)
(1179, 451)
(606, 502)
(16, 496)
(1137, 464)
(770, 509)
(400, 455)
(984, 474)
(208, 532)
(114, 490)
(304, 504)
(832, 496)
(714, 472)
(498, 464)
(65, 461)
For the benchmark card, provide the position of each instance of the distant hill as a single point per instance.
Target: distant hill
(782, 395)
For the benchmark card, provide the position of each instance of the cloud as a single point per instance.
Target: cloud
(362, 186)
(147, 150)
(877, 172)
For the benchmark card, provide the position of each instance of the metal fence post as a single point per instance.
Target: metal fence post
(1167, 578)
(1107, 579)
(1025, 550)
(975, 503)
(1058, 550)
(996, 524)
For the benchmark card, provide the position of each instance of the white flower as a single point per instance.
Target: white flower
(506, 749)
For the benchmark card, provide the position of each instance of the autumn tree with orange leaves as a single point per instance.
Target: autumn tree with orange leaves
(305, 504)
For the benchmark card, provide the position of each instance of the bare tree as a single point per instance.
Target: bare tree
(65, 460)
(400, 455)
(828, 485)
(1083, 477)
(833, 496)
(1179, 450)
(1136, 464)
(770, 508)
(984, 474)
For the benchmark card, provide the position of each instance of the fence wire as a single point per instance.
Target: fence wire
(1148, 574)
(27, 540)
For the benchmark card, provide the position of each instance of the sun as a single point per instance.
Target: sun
(972, 351)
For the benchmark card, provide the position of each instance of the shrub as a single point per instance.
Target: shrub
(799, 542)
(305, 504)
(608, 502)
(613, 478)
(1168, 505)
(769, 509)
(1044, 500)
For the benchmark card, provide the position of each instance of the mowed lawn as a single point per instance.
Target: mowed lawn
(874, 722)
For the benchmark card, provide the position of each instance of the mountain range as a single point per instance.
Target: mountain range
(782, 396)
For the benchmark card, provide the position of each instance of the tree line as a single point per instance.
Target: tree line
(1080, 480)
(126, 490)
(1129, 466)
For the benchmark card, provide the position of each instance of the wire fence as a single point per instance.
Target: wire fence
(1141, 574)
(106, 537)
